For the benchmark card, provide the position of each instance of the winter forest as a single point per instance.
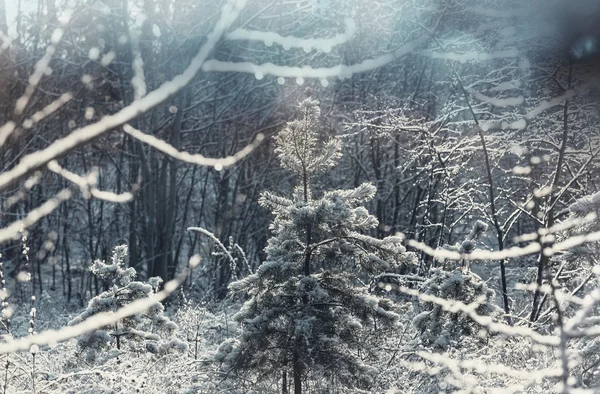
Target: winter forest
(300, 196)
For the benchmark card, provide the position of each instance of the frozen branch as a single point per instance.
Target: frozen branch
(342, 71)
(499, 102)
(454, 306)
(12, 230)
(287, 42)
(474, 56)
(476, 254)
(195, 158)
(87, 184)
(138, 81)
(214, 239)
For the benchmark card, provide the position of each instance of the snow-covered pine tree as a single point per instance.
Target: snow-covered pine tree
(150, 331)
(585, 214)
(306, 310)
(440, 328)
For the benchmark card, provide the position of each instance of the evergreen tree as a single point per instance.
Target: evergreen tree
(440, 328)
(150, 331)
(306, 310)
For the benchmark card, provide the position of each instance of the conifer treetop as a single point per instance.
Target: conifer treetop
(298, 147)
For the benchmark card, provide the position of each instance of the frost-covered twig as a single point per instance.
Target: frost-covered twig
(215, 240)
(224, 249)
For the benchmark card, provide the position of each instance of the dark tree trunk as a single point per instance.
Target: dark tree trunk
(284, 388)
(297, 375)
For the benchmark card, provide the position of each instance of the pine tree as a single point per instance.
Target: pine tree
(150, 331)
(306, 311)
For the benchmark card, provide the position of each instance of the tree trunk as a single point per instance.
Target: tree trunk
(297, 375)
(284, 388)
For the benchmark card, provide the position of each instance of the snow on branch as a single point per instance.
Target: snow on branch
(6, 130)
(195, 158)
(572, 242)
(87, 184)
(82, 136)
(454, 306)
(477, 254)
(287, 42)
(499, 102)
(565, 225)
(98, 320)
(343, 71)
(547, 104)
(510, 252)
(22, 192)
(138, 81)
(42, 67)
(457, 369)
(474, 56)
(481, 367)
(12, 231)
(521, 123)
(214, 239)
(47, 110)
(5, 42)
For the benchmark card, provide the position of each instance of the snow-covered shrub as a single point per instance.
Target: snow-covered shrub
(206, 326)
(150, 331)
(440, 328)
(467, 246)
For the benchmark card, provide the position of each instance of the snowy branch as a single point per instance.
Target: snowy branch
(196, 158)
(287, 42)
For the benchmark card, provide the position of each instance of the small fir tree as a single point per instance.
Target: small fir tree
(440, 328)
(305, 312)
(150, 331)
